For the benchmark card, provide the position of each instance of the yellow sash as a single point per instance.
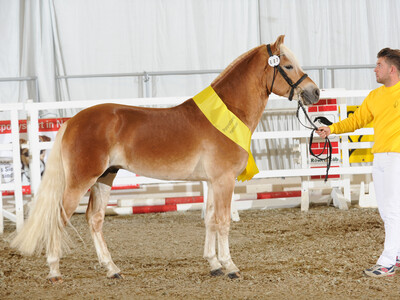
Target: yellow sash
(226, 122)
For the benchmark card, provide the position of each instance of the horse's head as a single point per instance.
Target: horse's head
(285, 76)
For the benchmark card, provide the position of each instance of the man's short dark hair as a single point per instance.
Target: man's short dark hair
(392, 57)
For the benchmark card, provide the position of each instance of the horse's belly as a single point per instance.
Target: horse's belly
(164, 161)
(168, 170)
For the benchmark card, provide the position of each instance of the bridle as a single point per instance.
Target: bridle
(274, 61)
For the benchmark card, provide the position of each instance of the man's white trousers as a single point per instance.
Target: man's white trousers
(386, 176)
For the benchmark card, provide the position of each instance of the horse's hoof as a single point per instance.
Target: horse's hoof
(117, 276)
(217, 272)
(56, 279)
(234, 275)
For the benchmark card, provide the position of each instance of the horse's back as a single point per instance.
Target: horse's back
(115, 121)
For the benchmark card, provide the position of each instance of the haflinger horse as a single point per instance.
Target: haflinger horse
(178, 143)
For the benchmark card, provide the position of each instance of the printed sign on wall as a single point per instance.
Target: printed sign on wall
(359, 155)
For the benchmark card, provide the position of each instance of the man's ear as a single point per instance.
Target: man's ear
(393, 69)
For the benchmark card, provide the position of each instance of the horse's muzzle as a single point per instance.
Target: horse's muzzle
(310, 94)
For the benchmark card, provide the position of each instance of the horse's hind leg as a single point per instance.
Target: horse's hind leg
(217, 221)
(53, 261)
(99, 195)
(71, 198)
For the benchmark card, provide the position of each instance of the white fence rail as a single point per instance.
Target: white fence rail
(16, 214)
(32, 109)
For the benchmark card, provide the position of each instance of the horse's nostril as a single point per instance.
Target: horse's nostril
(316, 91)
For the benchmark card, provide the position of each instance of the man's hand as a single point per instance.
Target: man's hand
(323, 131)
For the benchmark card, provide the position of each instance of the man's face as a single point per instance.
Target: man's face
(382, 71)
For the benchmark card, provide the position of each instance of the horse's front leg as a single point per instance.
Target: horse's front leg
(218, 219)
(211, 236)
(224, 255)
(223, 199)
(99, 195)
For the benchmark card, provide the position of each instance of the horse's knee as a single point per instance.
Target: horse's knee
(66, 214)
(96, 221)
(223, 229)
(89, 209)
(71, 199)
(211, 225)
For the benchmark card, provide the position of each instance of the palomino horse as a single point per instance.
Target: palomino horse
(166, 143)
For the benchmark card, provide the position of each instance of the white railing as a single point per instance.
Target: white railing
(326, 75)
(15, 214)
(33, 130)
(32, 109)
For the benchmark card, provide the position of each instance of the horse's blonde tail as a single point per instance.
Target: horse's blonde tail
(44, 227)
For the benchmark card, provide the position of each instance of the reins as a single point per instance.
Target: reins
(274, 61)
(327, 144)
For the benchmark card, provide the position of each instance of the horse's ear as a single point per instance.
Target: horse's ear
(279, 40)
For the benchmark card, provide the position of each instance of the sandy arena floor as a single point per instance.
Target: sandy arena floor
(282, 254)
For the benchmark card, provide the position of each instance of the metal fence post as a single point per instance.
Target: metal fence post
(33, 137)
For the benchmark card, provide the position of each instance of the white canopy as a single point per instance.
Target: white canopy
(50, 38)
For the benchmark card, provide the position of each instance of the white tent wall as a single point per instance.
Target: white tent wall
(321, 33)
(103, 37)
(38, 54)
(10, 28)
(334, 32)
(46, 38)
(50, 38)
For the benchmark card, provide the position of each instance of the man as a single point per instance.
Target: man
(382, 105)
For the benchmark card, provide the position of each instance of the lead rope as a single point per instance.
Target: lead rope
(327, 144)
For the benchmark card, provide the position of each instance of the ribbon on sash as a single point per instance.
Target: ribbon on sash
(227, 123)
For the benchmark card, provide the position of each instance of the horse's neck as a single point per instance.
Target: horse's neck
(243, 89)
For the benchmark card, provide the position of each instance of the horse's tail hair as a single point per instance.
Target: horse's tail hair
(45, 227)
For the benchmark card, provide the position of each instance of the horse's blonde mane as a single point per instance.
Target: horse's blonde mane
(283, 51)
(235, 62)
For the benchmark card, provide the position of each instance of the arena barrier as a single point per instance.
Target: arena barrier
(14, 209)
(339, 174)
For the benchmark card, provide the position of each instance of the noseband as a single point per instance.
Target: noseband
(274, 61)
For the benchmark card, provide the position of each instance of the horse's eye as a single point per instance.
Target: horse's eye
(289, 67)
